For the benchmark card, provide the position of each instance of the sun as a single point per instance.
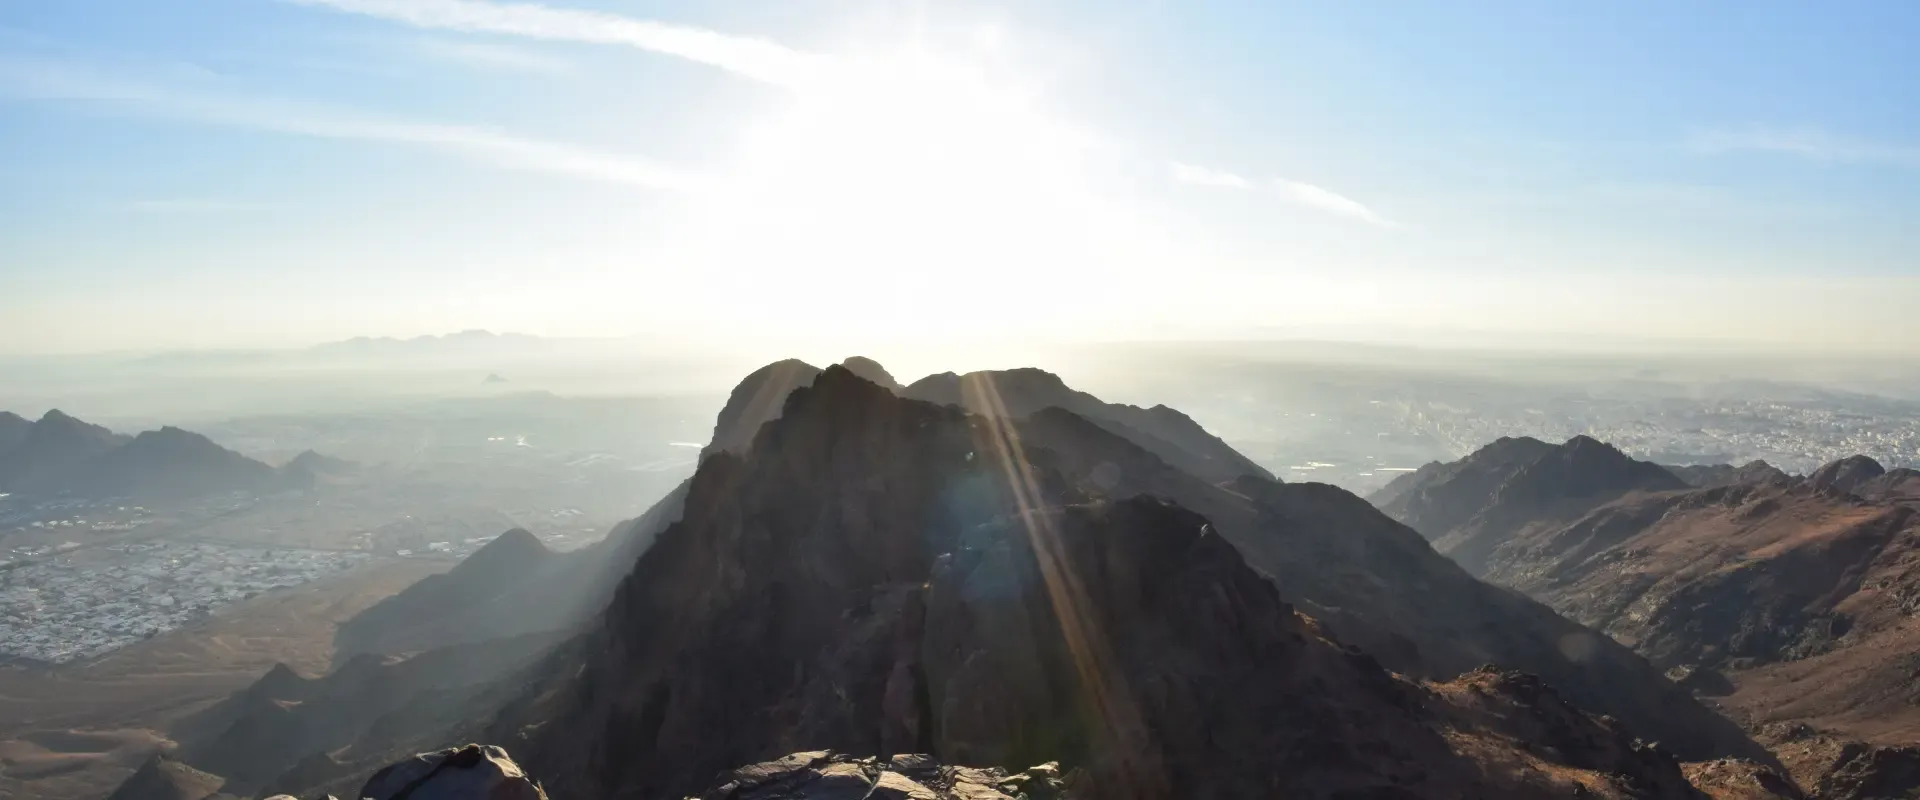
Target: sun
(912, 179)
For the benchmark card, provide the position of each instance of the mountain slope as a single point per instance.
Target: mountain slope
(169, 462)
(1379, 585)
(162, 778)
(1171, 435)
(881, 575)
(1478, 504)
(1707, 476)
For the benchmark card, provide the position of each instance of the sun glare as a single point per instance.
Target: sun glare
(888, 174)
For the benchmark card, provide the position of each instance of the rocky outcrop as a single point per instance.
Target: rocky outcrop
(1739, 779)
(823, 775)
(880, 575)
(472, 772)
(1847, 474)
(162, 778)
(1018, 393)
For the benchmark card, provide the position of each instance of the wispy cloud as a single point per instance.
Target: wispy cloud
(1807, 143)
(1204, 176)
(758, 59)
(489, 55)
(1296, 192)
(62, 81)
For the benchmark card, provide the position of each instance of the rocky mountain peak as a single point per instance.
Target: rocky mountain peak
(872, 371)
(757, 399)
(1846, 474)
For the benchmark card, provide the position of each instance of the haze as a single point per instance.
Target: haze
(258, 174)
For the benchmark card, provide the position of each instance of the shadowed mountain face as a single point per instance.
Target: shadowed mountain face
(1167, 433)
(162, 778)
(1499, 493)
(1377, 584)
(881, 575)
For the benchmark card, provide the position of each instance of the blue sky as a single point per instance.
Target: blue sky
(239, 173)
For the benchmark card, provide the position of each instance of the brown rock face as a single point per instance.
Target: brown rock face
(877, 571)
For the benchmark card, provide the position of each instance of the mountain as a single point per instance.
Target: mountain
(309, 469)
(59, 454)
(1497, 494)
(1015, 393)
(292, 733)
(1793, 601)
(1377, 584)
(50, 450)
(1440, 497)
(501, 589)
(756, 400)
(881, 575)
(169, 462)
(1710, 475)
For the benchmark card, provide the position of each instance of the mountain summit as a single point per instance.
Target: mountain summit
(883, 575)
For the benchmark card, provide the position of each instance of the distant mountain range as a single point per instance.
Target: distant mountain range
(1794, 600)
(59, 455)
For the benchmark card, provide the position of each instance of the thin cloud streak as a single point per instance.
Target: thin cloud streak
(758, 59)
(1811, 144)
(1296, 192)
(54, 81)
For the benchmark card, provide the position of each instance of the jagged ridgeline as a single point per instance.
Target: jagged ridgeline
(998, 582)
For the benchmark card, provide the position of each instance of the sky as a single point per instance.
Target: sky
(269, 173)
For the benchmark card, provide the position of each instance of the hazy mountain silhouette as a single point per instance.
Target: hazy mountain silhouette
(50, 450)
(169, 462)
(61, 455)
